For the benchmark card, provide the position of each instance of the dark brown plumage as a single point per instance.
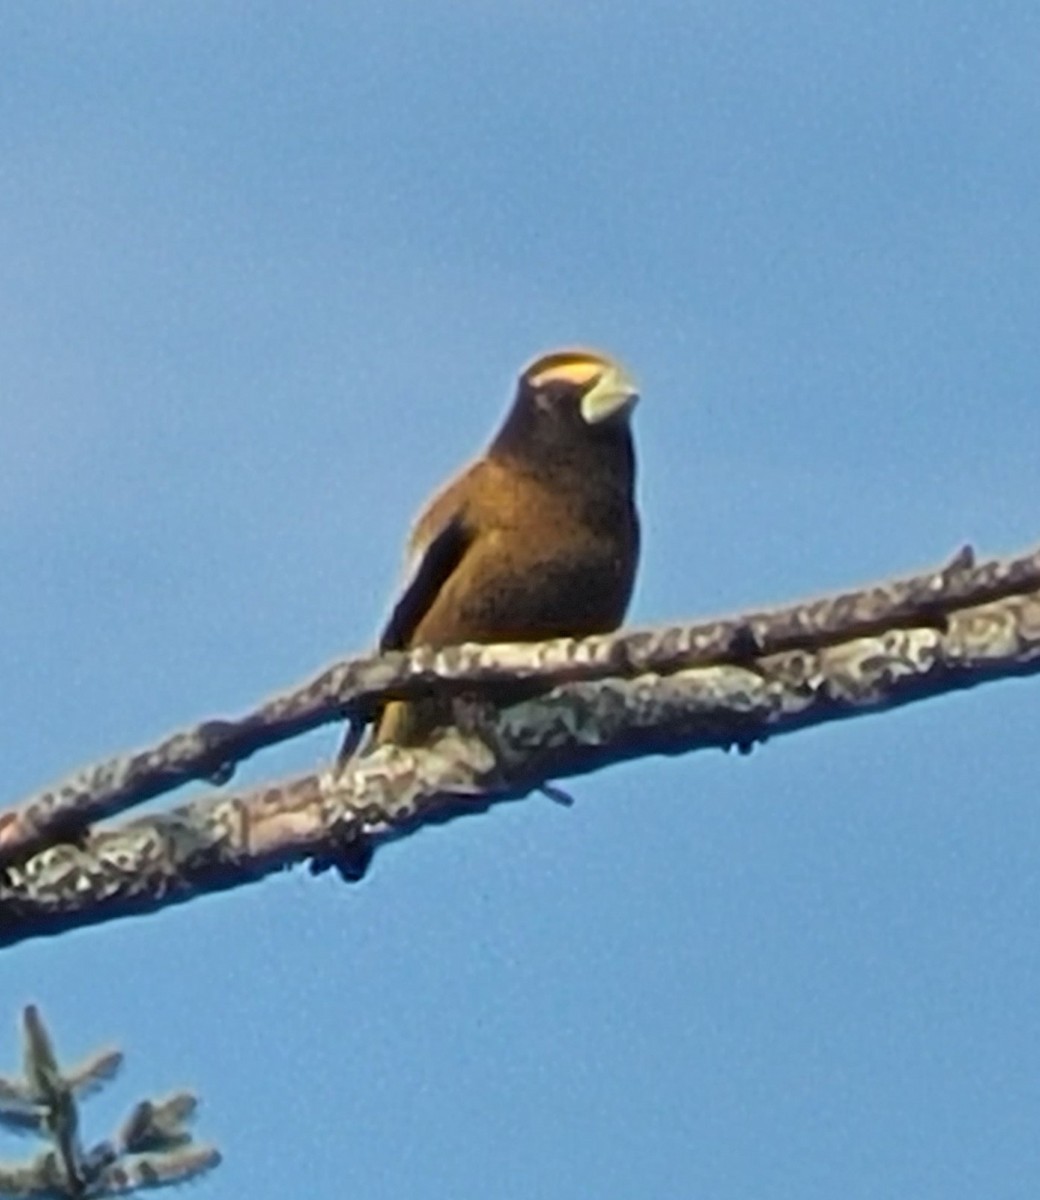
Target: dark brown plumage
(538, 538)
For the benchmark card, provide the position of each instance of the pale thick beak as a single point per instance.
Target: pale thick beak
(613, 393)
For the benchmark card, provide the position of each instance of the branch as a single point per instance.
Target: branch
(208, 751)
(730, 683)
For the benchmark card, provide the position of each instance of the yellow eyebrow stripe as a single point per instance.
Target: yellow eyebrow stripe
(577, 371)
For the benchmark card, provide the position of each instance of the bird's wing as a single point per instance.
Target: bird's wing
(441, 537)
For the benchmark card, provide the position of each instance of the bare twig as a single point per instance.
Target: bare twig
(210, 749)
(782, 673)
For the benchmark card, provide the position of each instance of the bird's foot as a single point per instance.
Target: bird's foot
(349, 859)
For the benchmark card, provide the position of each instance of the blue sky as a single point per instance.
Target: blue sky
(268, 271)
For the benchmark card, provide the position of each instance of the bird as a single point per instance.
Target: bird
(535, 539)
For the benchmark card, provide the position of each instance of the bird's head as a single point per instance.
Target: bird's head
(592, 385)
(567, 399)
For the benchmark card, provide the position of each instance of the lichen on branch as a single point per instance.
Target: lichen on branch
(727, 683)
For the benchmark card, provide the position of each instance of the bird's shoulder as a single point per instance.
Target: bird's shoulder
(451, 504)
(487, 494)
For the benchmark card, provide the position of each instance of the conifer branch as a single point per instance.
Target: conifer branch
(153, 1146)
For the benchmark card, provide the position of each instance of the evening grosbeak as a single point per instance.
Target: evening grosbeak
(538, 538)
